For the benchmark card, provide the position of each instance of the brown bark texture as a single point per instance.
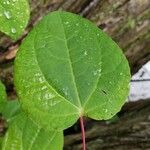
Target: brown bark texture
(128, 23)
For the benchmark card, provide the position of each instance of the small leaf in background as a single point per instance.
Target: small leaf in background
(10, 110)
(67, 68)
(14, 16)
(3, 96)
(23, 134)
(1, 141)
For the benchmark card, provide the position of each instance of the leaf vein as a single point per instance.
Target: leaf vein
(47, 81)
(70, 63)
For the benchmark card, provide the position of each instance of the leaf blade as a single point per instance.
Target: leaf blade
(23, 134)
(10, 110)
(71, 62)
(3, 95)
(14, 16)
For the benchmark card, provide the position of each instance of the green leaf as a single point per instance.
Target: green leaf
(1, 140)
(14, 16)
(24, 134)
(3, 95)
(66, 68)
(10, 110)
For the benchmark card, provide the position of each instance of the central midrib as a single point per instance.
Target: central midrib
(71, 67)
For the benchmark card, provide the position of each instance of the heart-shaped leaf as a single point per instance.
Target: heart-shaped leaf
(24, 134)
(14, 16)
(67, 68)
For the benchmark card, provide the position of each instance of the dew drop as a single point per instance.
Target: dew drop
(40, 79)
(100, 63)
(13, 30)
(44, 45)
(77, 24)
(19, 92)
(37, 75)
(66, 22)
(44, 87)
(8, 2)
(76, 31)
(49, 96)
(97, 72)
(7, 14)
(106, 110)
(85, 53)
(54, 102)
(65, 90)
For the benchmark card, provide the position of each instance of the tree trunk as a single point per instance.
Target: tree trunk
(127, 22)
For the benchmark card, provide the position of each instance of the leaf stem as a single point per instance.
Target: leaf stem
(83, 132)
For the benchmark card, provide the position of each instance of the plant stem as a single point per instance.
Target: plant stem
(83, 132)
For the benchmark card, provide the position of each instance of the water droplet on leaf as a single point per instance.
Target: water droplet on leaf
(49, 96)
(13, 30)
(66, 22)
(106, 110)
(65, 90)
(85, 53)
(77, 24)
(8, 2)
(44, 87)
(7, 14)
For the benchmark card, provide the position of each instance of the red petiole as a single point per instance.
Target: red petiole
(83, 132)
